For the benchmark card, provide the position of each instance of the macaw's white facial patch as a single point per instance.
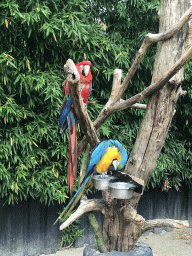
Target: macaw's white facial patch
(115, 164)
(86, 70)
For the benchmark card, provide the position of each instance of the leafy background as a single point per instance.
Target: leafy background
(36, 39)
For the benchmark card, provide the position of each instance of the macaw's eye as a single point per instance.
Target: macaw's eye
(83, 72)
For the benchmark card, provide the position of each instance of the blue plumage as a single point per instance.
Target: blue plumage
(64, 114)
(101, 149)
(95, 158)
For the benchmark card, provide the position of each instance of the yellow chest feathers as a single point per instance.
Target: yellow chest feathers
(110, 155)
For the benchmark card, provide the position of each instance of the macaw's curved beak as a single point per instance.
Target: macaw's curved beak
(86, 70)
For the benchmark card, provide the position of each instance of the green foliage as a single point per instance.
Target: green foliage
(173, 164)
(36, 40)
(71, 233)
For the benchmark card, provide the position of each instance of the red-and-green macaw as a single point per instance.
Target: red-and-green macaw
(101, 158)
(67, 117)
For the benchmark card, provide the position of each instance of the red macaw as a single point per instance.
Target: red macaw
(67, 117)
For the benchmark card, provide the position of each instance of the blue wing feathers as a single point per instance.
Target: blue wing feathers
(65, 112)
(97, 154)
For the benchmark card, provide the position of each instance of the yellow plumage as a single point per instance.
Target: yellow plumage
(111, 154)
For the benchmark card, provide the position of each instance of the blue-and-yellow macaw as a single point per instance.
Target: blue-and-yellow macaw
(67, 117)
(101, 158)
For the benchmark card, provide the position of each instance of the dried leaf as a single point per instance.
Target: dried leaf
(54, 36)
(56, 174)
(4, 80)
(35, 144)
(6, 23)
(28, 64)
(10, 100)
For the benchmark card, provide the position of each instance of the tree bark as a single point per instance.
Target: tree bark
(121, 225)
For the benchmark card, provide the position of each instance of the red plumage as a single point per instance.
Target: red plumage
(84, 70)
(84, 83)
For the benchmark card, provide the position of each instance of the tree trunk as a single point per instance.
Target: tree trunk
(121, 224)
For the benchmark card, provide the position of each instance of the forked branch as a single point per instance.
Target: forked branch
(153, 87)
(85, 206)
(110, 106)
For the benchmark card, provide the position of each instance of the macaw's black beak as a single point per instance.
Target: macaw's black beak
(111, 170)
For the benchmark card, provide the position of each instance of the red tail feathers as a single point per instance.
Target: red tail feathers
(72, 157)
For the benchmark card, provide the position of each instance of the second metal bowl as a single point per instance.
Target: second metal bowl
(121, 190)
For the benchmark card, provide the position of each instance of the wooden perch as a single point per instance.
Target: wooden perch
(78, 104)
(158, 223)
(129, 214)
(85, 206)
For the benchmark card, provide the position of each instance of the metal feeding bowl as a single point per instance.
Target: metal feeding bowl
(121, 190)
(101, 181)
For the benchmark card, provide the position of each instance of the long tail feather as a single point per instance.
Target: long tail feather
(70, 174)
(72, 156)
(76, 197)
(74, 150)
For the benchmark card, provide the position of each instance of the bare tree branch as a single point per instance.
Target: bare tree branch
(139, 106)
(140, 96)
(158, 223)
(78, 104)
(136, 105)
(148, 91)
(116, 85)
(171, 32)
(85, 206)
(149, 39)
